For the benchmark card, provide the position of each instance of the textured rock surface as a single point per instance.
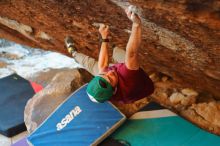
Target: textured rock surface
(43, 103)
(180, 38)
(209, 111)
(198, 107)
(206, 115)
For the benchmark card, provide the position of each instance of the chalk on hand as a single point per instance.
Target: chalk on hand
(133, 9)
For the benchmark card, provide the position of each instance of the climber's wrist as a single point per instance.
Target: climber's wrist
(104, 40)
(135, 24)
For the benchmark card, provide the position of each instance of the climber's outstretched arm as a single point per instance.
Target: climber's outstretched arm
(103, 54)
(131, 57)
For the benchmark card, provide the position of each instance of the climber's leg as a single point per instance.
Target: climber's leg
(90, 64)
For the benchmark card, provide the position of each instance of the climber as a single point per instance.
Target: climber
(122, 82)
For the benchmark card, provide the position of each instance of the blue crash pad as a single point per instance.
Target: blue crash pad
(77, 121)
(15, 91)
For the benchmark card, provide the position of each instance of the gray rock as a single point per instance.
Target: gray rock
(46, 101)
(189, 92)
(176, 98)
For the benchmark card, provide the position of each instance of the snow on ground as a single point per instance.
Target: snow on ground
(29, 61)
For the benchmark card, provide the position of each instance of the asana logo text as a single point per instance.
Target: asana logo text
(68, 118)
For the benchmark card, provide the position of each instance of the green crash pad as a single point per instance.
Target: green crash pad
(157, 126)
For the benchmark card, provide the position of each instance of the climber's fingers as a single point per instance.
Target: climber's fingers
(128, 12)
(104, 30)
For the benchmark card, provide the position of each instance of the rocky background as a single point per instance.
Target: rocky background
(180, 46)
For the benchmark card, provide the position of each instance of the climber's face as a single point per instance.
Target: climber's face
(111, 76)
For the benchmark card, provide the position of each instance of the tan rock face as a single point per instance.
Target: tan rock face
(176, 98)
(206, 115)
(209, 111)
(199, 108)
(180, 38)
(3, 64)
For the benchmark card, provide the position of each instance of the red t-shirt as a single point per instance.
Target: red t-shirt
(132, 84)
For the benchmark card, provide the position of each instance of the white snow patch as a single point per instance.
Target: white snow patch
(42, 62)
(31, 61)
(16, 49)
(5, 72)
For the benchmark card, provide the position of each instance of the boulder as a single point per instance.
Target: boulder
(189, 92)
(180, 38)
(176, 98)
(206, 115)
(46, 101)
(209, 111)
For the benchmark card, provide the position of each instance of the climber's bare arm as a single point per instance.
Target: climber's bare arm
(131, 57)
(103, 54)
